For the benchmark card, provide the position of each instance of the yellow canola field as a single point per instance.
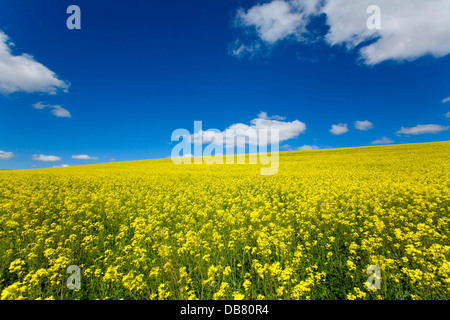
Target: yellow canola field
(155, 230)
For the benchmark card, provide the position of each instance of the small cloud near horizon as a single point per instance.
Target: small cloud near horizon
(383, 140)
(45, 158)
(83, 157)
(422, 129)
(308, 147)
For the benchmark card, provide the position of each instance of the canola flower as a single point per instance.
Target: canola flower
(155, 230)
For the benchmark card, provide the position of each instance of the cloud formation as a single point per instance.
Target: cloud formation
(383, 140)
(363, 125)
(308, 147)
(338, 129)
(83, 157)
(409, 28)
(23, 73)
(6, 155)
(273, 21)
(446, 100)
(422, 129)
(45, 158)
(56, 110)
(253, 132)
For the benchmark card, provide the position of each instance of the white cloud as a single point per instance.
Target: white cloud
(286, 130)
(363, 125)
(447, 115)
(83, 157)
(409, 28)
(308, 147)
(6, 155)
(61, 112)
(273, 21)
(56, 110)
(263, 115)
(62, 166)
(23, 73)
(338, 129)
(422, 129)
(446, 100)
(45, 158)
(383, 140)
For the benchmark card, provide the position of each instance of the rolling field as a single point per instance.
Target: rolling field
(155, 230)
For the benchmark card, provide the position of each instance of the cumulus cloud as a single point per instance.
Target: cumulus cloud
(446, 100)
(409, 28)
(273, 21)
(45, 158)
(338, 129)
(83, 157)
(447, 115)
(254, 133)
(422, 129)
(56, 110)
(23, 73)
(308, 147)
(6, 155)
(363, 125)
(383, 140)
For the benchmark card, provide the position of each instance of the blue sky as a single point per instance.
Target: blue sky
(138, 70)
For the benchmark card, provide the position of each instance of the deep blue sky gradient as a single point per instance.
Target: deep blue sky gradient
(140, 69)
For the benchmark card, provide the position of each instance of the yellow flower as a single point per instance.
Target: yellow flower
(238, 296)
(247, 284)
(227, 271)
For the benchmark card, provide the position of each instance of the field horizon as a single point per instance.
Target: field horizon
(280, 152)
